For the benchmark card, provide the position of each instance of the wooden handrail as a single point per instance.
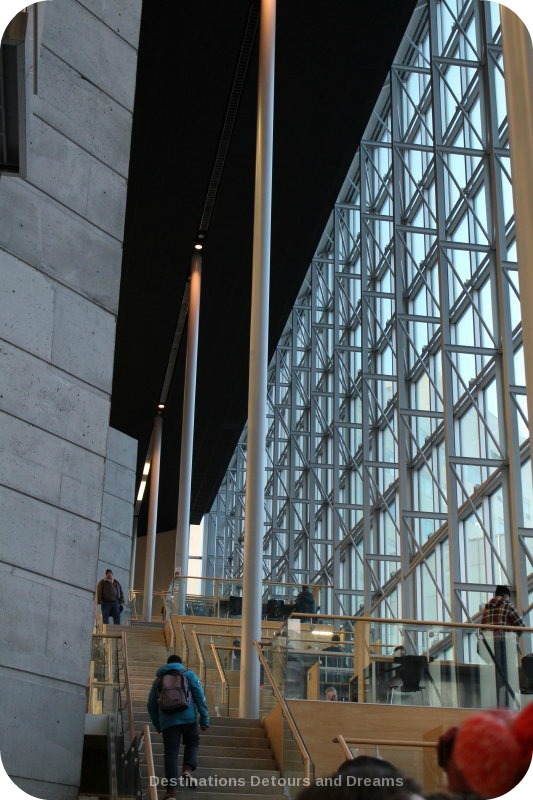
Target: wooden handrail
(229, 647)
(344, 741)
(239, 580)
(221, 673)
(420, 623)
(128, 689)
(150, 762)
(308, 764)
(201, 658)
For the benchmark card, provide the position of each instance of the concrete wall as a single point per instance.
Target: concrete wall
(61, 230)
(117, 508)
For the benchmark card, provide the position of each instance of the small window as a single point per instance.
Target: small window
(12, 127)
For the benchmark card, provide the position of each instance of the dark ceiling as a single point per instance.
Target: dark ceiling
(332, 58)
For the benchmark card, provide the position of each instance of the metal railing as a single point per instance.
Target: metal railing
(201, 659)
(306, 758)
(225, 693)
(460, 665)
(150, 767)
(109, 694)
(345, 741)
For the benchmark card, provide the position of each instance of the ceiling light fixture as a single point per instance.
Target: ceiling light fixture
(146, 468)
(142, 487)
(198, 246)
(161, 406)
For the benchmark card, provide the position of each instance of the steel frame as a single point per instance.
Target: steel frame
(397, 460)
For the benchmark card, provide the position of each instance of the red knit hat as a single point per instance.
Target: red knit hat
(489, 754)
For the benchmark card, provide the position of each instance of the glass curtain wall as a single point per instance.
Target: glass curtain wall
(397, 463)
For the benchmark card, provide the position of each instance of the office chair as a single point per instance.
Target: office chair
(275, 608)
(412, 670)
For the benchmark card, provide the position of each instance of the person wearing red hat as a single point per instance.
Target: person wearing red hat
(489, 753)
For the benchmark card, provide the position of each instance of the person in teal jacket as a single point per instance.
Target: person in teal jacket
(177, 725)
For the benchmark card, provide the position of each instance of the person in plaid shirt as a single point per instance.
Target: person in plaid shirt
(500, 611)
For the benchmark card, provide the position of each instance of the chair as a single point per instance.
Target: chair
(412, 670)
(275, 609)
(235, 606)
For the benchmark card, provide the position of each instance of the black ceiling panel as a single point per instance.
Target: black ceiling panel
(332, 57)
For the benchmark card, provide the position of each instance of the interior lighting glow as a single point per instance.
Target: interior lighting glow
(146, 468)
(142, 487)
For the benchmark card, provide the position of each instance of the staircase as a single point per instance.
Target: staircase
(231, 751)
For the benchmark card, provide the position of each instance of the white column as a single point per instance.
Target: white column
(518, 67)
(181, 560)
(152, 518)
(257, 387)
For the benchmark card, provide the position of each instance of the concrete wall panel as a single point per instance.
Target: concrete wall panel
(122, 449)
(52, 399)
(47, 789)
(48, 236)
(119, 481)
(121, 15)
(117, 514)
(95, 51)
(52, 628)
(60, 167)
(48, 468)
(48, 541)
(52, 743)
(26, 306)
(82, 333)
(115, 549)
(72, 105)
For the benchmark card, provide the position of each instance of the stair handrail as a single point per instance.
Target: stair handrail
(201, 659)
(400, 621)
(149, 761)
(168, 630)
(221, 674)
(308, 764)
(185, 654)
(131, 719)
(344, 741)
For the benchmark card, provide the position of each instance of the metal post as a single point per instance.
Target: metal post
(133, 551)
(257, 387)
(152, 518)
(518, 71)
(518, 63)
(181, 560)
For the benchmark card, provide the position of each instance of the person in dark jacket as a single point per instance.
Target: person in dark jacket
(305, 602)
(111, 597)
(177, 724)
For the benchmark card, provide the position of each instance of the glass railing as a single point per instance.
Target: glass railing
(292, 755)
(412, 757)
(406, 662)
(108, 695)
(222, 597)
(161, 605)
